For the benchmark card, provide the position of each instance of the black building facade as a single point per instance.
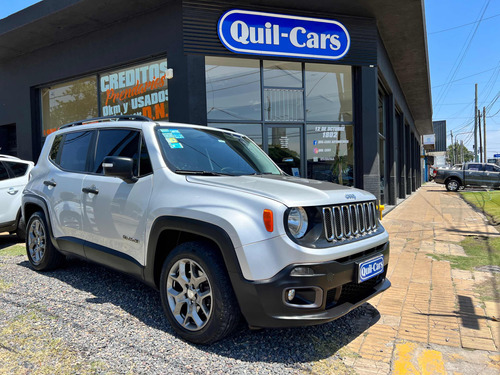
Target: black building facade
(354, 118)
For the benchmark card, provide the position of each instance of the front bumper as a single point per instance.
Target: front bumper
(331, 292)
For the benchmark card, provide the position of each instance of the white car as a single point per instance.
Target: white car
(14, 175)
(206, 217)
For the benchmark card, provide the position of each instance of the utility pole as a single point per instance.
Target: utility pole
(462, 150)
(484, 134)
(479, 131)
(475, 126)
(452, 156)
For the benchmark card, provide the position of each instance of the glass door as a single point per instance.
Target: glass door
(283, 143)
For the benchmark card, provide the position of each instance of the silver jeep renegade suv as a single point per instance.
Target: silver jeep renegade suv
(206, 217)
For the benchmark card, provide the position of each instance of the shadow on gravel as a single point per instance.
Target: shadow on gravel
(288, 346)
(7, 240)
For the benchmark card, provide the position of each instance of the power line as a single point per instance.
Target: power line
(465, 24)
(461, 56)
(461, 79)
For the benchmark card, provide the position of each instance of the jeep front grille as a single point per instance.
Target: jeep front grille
(343, 222)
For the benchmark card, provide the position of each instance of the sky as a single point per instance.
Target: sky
(463, 38)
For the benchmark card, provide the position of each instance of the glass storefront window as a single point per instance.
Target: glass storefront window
(330, 153)
(67, 102)
(233, 89)
(283, 105)
(284, 148)
(136, 90)
(328, 92)
(282, 74)
(252, 131)
(303, 104)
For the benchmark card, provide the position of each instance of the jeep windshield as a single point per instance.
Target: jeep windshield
(210, 152)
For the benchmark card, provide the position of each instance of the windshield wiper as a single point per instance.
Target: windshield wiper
(201, 173)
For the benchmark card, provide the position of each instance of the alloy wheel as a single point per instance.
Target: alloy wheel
(189, 294)
(36, 241)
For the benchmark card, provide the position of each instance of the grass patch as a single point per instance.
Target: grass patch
(27, 346)
(488, 289)
(13, 251)
(487, 201)
(481, 251)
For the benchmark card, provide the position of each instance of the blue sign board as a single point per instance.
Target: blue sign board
(259, 33)
(496, 156)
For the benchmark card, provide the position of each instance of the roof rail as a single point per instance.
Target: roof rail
(107, 118)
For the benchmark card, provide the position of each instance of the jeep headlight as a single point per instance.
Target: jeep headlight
(297, 222)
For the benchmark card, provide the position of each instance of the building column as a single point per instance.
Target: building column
(408, 159)
(390, 142)
(366, 129)
(401, 150)
(413, 164)
(187, 89)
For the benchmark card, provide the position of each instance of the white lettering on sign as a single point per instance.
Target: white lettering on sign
(131, 77)
(251, 32)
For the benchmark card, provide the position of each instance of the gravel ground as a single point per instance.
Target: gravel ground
(100, 321)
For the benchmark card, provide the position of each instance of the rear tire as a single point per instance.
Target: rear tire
(452, 184)
(42, 255)
(21, 229)
(196, 294)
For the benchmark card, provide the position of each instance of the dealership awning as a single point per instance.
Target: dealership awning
(401, 25)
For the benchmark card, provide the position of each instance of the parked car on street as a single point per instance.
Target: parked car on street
(14, 174)
(470, 174)
(206, 217)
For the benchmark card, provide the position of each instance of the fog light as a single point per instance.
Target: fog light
(302, 271)
(291, 294)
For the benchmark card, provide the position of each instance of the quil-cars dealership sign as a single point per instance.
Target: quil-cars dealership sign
(258, 33)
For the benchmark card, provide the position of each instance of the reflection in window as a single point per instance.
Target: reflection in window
(68, 102)
(330, 153)
(19, 169)
(284, 148)
(252, 131)
(282, 74)
(328, 92)
(139, 89)
(233, 89)
(116, 142)
(74, 150)
(283, 105)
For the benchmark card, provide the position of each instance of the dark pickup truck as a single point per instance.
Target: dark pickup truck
(471, 174)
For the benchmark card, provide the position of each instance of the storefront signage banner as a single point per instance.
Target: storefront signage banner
(259, 33)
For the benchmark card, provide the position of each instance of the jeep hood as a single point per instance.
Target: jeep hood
(291, 191)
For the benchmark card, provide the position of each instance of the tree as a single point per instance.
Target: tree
(456, 151)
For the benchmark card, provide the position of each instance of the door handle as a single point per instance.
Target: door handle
(12, 191)
(90, 190)
(50, 183)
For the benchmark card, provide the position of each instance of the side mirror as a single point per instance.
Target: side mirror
(119, 166)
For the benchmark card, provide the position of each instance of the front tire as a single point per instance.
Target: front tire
(196, 294)
(42, 255)
(452, 184)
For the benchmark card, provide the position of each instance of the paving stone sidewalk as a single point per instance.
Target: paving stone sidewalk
(431, 319)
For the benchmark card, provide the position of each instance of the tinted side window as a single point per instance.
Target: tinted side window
(475, 167)
(54, 151)
(145, 163)
(19, 169)
(3, 172)
(117, 142)
(489, 168)
(75, 147)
